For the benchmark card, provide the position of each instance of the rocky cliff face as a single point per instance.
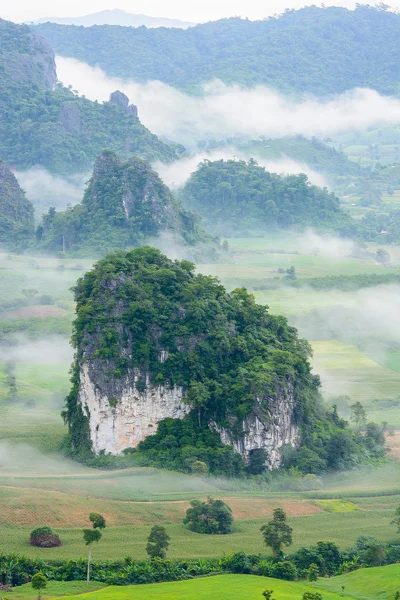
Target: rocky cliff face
(121, 417)
(270, 427)
(26, 57)
(123, 420)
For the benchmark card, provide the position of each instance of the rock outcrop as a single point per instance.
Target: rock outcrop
(33, 61)
(123, 421)
(154, 341)
(125, 204)
(270, 427)
(122, 100)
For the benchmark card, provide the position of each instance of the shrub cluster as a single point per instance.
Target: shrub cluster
(17, 570)
(44, 537)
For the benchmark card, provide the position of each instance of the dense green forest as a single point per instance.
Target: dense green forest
(237, 195)
(230, 355)
(312, 50)
(48, 125)
(16, 213)
(124, 204)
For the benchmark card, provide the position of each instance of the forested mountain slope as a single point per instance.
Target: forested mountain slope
(16, 212)
(42, 123)
(124, 205)
(315, 50)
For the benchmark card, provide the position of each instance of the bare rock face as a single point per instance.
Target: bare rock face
(122, 100)
(34, 61)
(70, 117)
(118, 424)
(267, 429)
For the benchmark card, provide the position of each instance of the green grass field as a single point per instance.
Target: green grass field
(364, 584)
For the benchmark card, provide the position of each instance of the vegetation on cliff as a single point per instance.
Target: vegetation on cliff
(234, 195)
(313, 50)
(124, 204)
(42, 123)
(16, 213)
(140, 311)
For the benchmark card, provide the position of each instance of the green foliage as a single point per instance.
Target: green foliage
(124, 204)
(376, 226)
(140, 310)
(277, 533)
(236, 195)
(330, 58)
(44, 537)
(358, 415)
(16, 213)
(97, 520)
(313, 572)
(285, 569)
(90, 536)
(182, 445)
(157, 542)
(396, 520)
(312, 596)
(143, 301)
(39, 582)
(55, 128)
(212, 517)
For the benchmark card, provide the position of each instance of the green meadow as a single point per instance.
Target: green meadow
(364, 584)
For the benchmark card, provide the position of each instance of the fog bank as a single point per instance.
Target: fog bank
(223, 111)
(176, 174)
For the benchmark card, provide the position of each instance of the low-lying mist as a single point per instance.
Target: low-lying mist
(177, 173)
(51, 350)
(45, 190)
(223, 111)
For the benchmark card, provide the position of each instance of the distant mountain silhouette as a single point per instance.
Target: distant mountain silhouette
(118, 17)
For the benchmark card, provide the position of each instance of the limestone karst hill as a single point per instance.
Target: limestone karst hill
(43, 123)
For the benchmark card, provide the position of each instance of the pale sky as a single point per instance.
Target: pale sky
(190, 10)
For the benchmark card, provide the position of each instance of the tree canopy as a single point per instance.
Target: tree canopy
(125, 203)
(238, 195)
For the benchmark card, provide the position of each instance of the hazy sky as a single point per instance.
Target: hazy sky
(193, 10)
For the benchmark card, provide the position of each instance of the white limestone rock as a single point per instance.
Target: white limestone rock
(116, 425)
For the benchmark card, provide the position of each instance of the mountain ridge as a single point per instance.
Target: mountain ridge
(319, 51)
(118, 17)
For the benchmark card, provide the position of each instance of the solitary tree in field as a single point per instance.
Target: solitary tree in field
(358, 415)
(277, 532)
(39, 582)
(157, 542)
(93, 535)
(30, 294)
(268, 594)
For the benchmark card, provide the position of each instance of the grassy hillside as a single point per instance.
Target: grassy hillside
(365, 584)
(322, 51)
